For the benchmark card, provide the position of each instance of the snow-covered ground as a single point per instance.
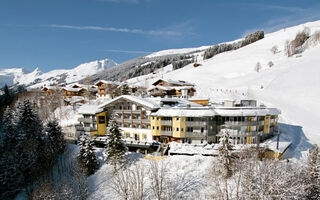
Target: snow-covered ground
(186, 173)
(292, 84)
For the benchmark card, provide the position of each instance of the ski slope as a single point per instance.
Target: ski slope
(292, 84)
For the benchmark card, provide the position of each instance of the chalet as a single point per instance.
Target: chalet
(134, 89)
(76, 93)
(170, 88)
(49, 90)
(107, 89)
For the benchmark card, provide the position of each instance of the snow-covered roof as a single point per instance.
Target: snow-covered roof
(72, 89)
(147, 102)
(246, 111)
(179, 82)
(89, 109)
(50, 87)
(185, 112)
(107, 82)
(167, 88)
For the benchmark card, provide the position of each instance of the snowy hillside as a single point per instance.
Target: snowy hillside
(37, 78)
(292, 84)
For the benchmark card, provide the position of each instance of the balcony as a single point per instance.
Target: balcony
(245, 134)
(166, 133)
(196, 123)
(137, 121)
(146, 121)
(89, 129)
(195, 134)
(128, 111)
(244, 123)
(166, 122)
(87, 120)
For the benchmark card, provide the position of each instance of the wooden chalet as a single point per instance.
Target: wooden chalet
(170, 88)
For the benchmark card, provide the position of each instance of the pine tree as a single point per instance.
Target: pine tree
(313, 174)
(7, 96)
(55, 137)
(87, 157)
(115, 146)
(125, 89)
(8, 127)
(29, 137)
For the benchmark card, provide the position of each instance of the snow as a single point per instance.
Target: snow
(246, 111)
(174, 112)
(143, 101)
(292, 84)
(188, 171)
(272, 144)
(37, 78)
(170, 87)
(176, 51)
(89, 109)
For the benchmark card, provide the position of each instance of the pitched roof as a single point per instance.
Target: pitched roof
(179, 82)
(89, 109)
(142, 101)
(168, 88)
(107, 82)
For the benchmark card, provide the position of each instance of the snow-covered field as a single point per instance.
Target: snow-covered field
(292, 84)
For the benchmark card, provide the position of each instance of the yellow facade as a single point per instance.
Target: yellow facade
(275, 123)
(155, 123)
(101, 124)
(249, 140)
(267, 121)
(179, 127)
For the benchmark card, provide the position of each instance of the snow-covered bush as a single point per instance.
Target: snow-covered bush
(274, 49)
(270, 63)
(257, 67)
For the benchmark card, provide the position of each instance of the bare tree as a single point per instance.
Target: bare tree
(130, 183)
(158, 179)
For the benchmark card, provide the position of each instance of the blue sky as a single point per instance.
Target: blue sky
(53, 34)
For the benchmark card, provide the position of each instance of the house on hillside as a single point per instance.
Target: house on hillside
(78, 93)
(170, 88)
(108, 89)
(49, 90)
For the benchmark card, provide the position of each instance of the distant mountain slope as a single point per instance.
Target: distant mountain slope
(291, 84)
(37, 78)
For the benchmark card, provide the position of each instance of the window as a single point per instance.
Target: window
(177, 118)
(181, 129)
(190, 119)
(102, 120)
(189, 129)
(157, 118)
(177, 129)
(157, 127)
(202, 130)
